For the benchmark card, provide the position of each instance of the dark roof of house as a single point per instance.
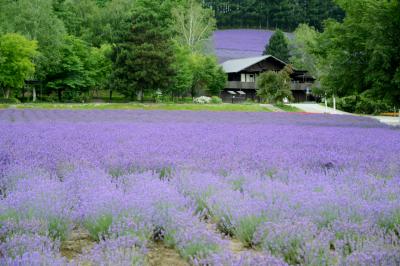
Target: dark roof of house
(237, 65)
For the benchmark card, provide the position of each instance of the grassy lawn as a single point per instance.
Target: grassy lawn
(140, 106)
(289, 108)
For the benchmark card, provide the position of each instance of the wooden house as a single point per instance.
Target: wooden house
(243, 73)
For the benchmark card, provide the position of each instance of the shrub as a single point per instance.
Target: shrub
(371, 106)
(197, 249)
(9, 101)
(286, 239)
(249, 101)
(202, 100)
(246, 228)
(216, 100)
(392, 222)
(58, 229)
(360, 104)
(98, 227)
(348, 104)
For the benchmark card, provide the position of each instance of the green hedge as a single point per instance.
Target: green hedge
(9, 101)
(362, 105)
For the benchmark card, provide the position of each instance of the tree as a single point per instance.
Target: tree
(100, 66)
(75, 74)
(110, 22)
(208, 76)
(302, 45)
(278, 46)
(36, 20)
(216, 77)
(275, 86)
(361, 55)
(79, 17)
(184, 71)
(193, 24)
(143, 60)
(16, 54)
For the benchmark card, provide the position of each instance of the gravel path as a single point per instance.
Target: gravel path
(318, 109)
(272, 108)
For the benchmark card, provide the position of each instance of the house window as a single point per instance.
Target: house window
(250, 78)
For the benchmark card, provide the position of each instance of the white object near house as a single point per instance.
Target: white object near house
(326, 105)
(334, 104)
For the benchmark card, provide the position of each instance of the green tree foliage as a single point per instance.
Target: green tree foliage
(100, 66)
(184, 72)
(275, 86)
(77, 71)
(283, 14)
(361, 55)
(96, 21)
(112, 21)
(278, 46)
(16, 54)
(193, 24)
(137, 47)
(143, 60)
(208, 76)
(196, 74)
(36, 21)
(302, 46)
(79, 17)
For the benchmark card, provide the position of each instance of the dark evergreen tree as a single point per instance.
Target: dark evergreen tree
(278, 46)
(143, 59)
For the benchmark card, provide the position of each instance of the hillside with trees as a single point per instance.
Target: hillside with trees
(135, 49)
(273, 14)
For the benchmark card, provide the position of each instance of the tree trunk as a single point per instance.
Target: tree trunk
(111, 95)
(139, 95)
(326, 105)
(33, 94)
(334, 104)
(7, 93)
(23, 94)
(59, 95)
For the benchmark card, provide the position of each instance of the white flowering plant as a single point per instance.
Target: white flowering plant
(202, 100)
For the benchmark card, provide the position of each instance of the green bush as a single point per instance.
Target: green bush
(58, 229)
(9, 101)
(98, 227)
(348, 104)
(244, 231)
(216, 100)
(360, 104)
(249, 101)
(371, 106)
(391, 222)
(196, 249)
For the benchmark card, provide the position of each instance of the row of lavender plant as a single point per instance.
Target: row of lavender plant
(304, 189)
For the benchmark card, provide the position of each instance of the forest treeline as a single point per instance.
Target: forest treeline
(152, 49)
(357, 59)
(273, 14)
(69, 49)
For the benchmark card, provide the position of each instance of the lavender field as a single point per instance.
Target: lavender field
(240, 43)
(218, 188)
